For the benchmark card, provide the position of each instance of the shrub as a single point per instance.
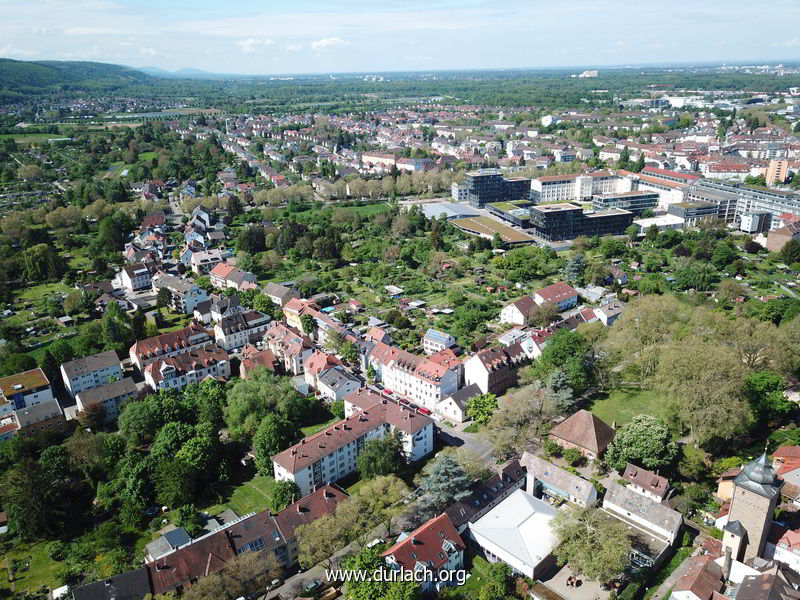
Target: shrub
(551, 448)
(573, 456)
(56, 550)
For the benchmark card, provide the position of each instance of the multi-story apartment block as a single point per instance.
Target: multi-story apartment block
(425, 381)
(178, 371)
(24, 389)
(495, 370)
(563, 295)
(185, 294)
(110, 396)
(166, 345)
(40, 418)
(574, 187)
(90, 372)
(202, 262)
(331, 454)
(225, 276)
(135, 277)
(239, 329)
(459, 192)
(289, 346)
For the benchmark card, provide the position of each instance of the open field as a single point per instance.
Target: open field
(247, 497)
(622, 404)
(487, 227)
(27, 138)
(40, 570)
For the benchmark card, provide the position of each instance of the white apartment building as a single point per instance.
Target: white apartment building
(90, 372)
(166, 345)
(22, 390)
(574, 188)
(331, 454)
(185, 294)
(639, 511)
(564, 296)
(135, 277)
(202, 262)
(110, 396)
(435, 341)
(239, 329)
(459, 192)
(425, 381)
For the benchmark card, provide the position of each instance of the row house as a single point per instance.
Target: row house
(291, 348)
(331, 454)
(425, 381)
(176, 372)
(236, 330)
(166, 345)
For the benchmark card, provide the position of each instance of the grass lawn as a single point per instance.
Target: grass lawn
(36, 293)
(477, 579)
(472, 428)
(41, 570)
(622, 404)
(250, 496)
(667, 570)
(26, 138)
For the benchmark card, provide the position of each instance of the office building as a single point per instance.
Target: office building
(635, 201)
(693, 212)
(488, 185)
(567, 221)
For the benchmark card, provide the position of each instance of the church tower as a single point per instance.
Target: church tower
(756, 492)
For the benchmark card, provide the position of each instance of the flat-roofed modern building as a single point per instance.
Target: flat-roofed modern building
(554, 222)
(694, 211)
(488, 185)
(636, 201)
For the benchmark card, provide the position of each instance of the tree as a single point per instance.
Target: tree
(274, 434)
(644, 441)
(593, 543)
(446, 484)
(283, 494)
(174, 482)
(29, 172)
(764, 391)
(375, 588)
(262, 393)
(309, 324)
(73, 303)
(569, 352)
(480, 408)
(92, 417)
(190, 519)
(350, 353)
(382, 456)
(245, 577)
(164, 298)
(574, 268)
(790, 253)
(543, 314)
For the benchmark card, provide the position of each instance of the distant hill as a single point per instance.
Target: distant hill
(188, 73)
(30, 77)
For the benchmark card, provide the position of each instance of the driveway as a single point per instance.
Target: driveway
(475, 442)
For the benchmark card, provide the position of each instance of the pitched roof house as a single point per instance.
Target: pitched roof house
(585, 432)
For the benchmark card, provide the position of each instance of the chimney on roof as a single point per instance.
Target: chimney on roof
(727, 564)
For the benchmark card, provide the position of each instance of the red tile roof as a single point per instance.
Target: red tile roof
(201, 558)
(702, 577)
(584, 430)
(426, 544)
(557, 292)
(174, 339)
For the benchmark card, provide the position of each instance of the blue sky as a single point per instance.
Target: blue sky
(313, 36)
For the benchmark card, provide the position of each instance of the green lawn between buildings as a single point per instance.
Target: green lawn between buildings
(620, 405)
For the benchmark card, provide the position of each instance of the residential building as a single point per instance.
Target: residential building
(203, 261)
(777, 172)
(484, 496)
(225, 276)
(518, 532)
(583, 431)
(774, 584)
(423, 380)
(610, 312)
(489, 185)
(279, 294)
(178, 371)
(131, 585)
(236, 330)
(638, 511)
(200, 219)
(167, 543)
(783, 546)
(454, 407)
(110, 396)
(336, 383)
(576, 187)
(291, 348)
(756, 493)
(294, 309)
(553, 222)
(135, 277)
(701, 580)
(173, 343)
(495, 370)
(434, 547)
(435, 341)
(517, 312)
(778, 238)
(644, 482)
(330, 454)
(546, 480)
(563, 295)
(184, 295)
(316, 364)
(91, 371)
(24, 389)
(40, 418)
(253, 358)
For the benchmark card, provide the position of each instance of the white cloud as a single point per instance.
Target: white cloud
(251, 45)
(293, 47)
(148, 51)
(792, 43)
(328, 43)
(8, 50)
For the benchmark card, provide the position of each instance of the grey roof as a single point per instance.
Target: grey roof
(336, 378)
(279, 291)
(735, 527)
(659, 515)
(132, 585)
(120, 387)
(432, 210)
(177, 537)
(558, 478)
(172, 283)
(204, 307)
(461, 396)
(37, 413)
(760, 478)
(225, 303)
(89, 364)
(169, 541)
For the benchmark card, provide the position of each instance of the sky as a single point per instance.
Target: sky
(264, 37)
